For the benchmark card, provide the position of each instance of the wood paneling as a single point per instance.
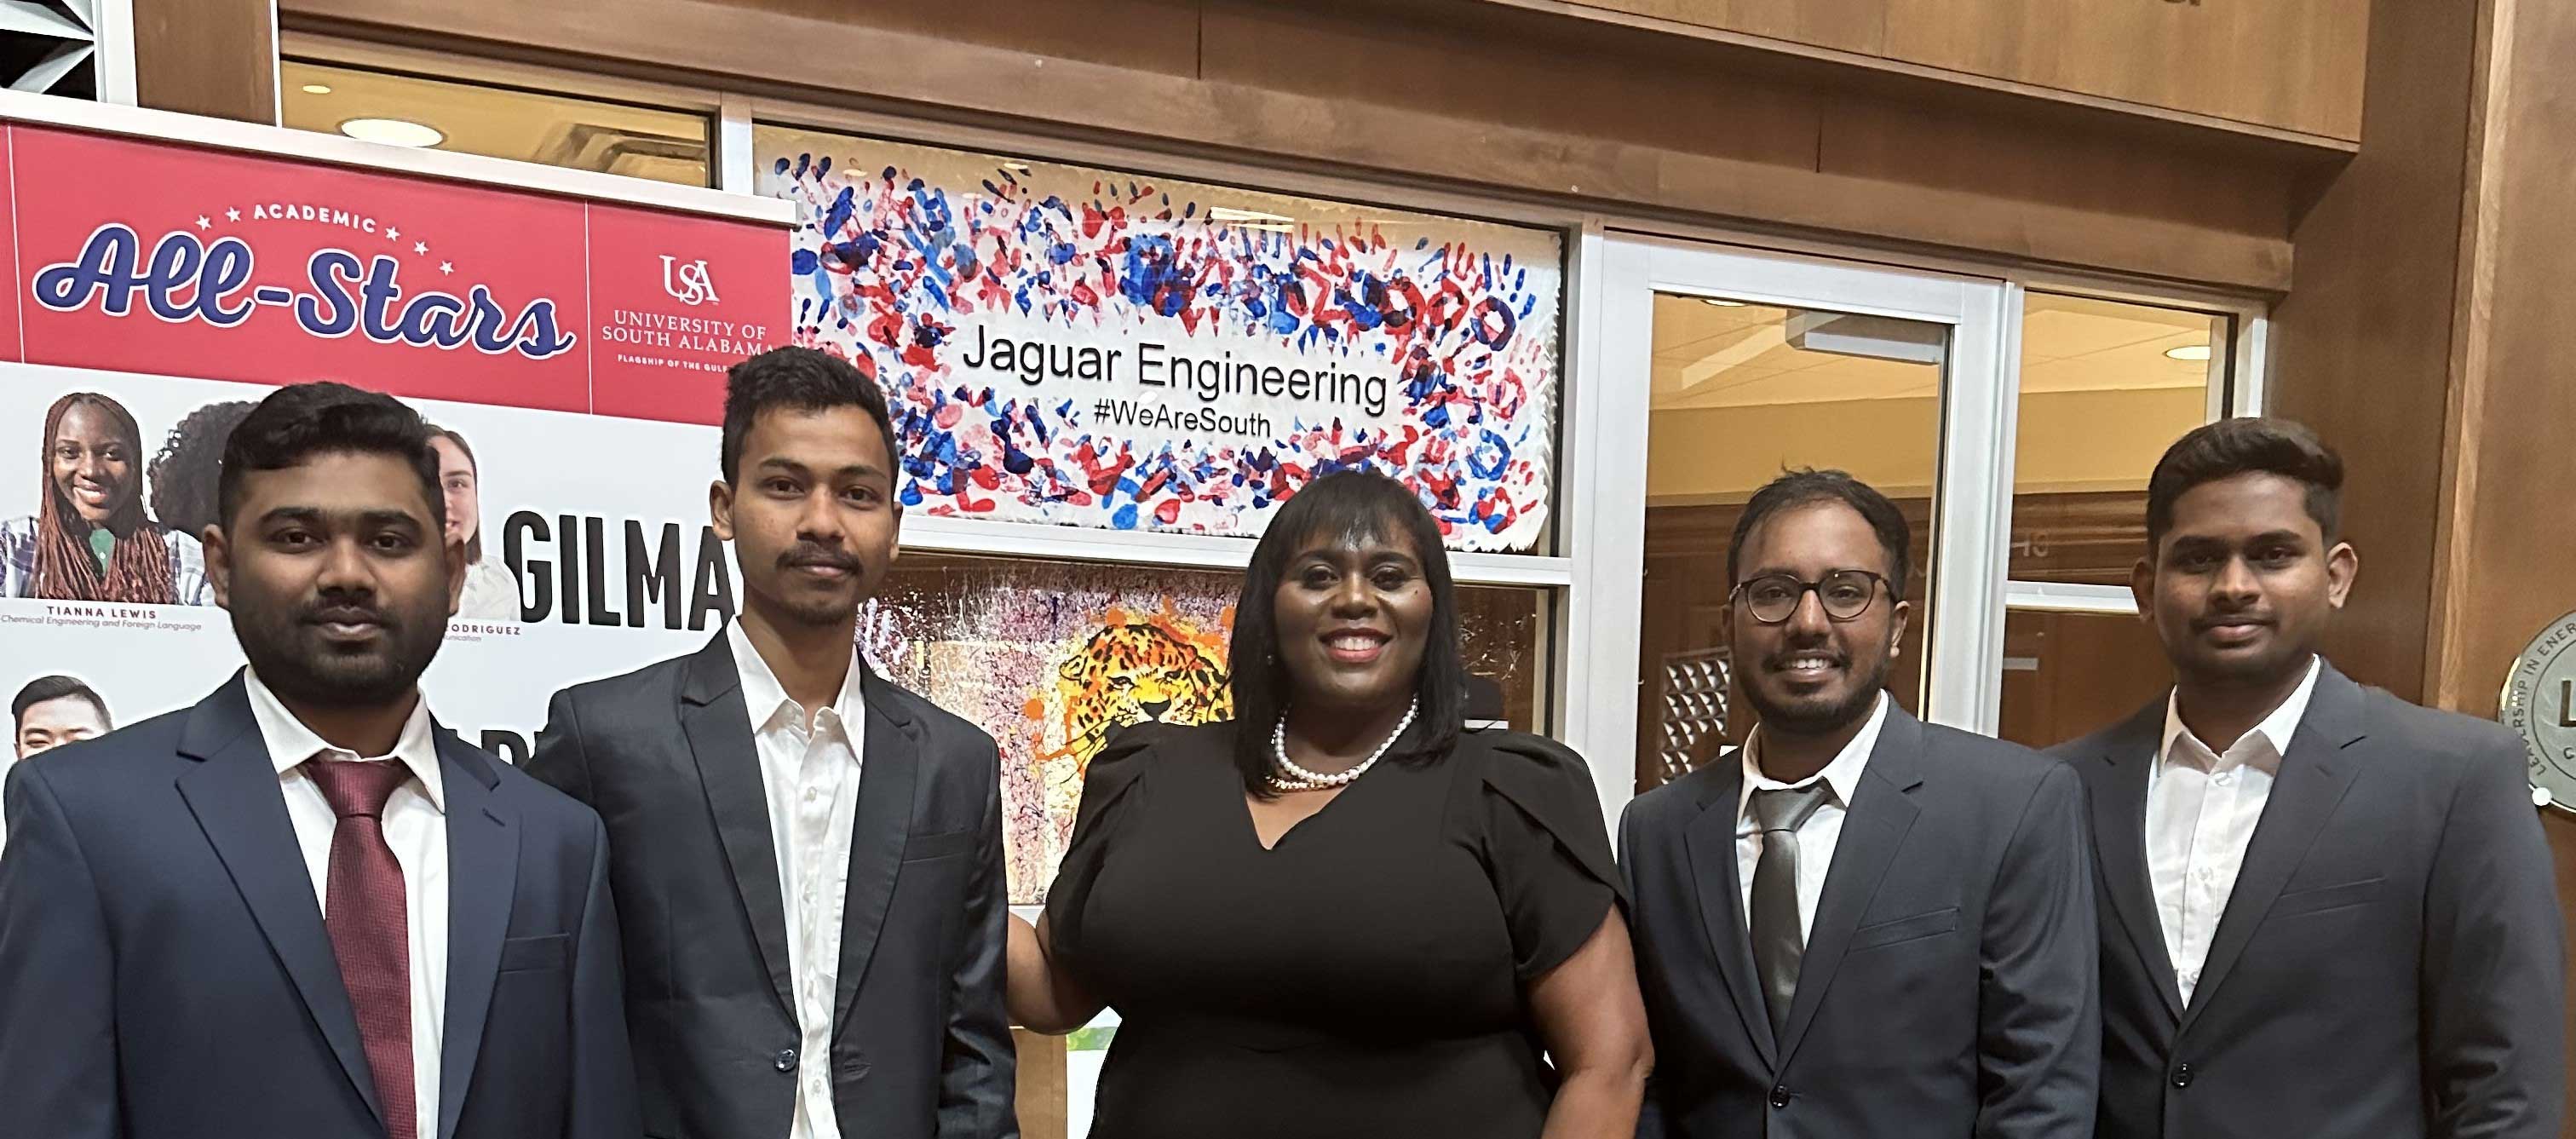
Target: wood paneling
(207, 57)
(2070, 674)
(1469, 94)
(2363, 341)
(2293, 65)
(1844, 25)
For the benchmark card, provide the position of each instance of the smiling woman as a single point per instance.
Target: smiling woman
(1325, 876)
(90, 539)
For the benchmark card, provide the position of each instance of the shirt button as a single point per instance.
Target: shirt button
(812, 793)
(1780, 1096)
(2182, 1075)
(787, 1059)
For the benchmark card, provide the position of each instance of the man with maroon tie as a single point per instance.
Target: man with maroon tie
(302, 907)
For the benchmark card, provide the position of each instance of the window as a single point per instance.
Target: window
(500, 122)
(1742, 392)
(2106, 387)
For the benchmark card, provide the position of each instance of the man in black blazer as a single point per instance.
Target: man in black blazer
(2325, 911)
(808, 858)
(302, 907)
(1860, 924)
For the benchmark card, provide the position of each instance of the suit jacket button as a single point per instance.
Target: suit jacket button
(1780, 1096)
(787, 1060)
(2182, 1075)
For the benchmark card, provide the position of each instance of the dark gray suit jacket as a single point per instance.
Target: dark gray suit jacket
(921, 1046)
(2389, 965)
(164, 970)
(1947, 987)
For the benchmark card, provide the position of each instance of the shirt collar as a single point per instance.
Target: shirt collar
(290, 743)
(1841, 777)
(767, 700)
(2274, 733)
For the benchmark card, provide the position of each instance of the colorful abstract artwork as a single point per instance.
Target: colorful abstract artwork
(1052, 658)
(1085, 347)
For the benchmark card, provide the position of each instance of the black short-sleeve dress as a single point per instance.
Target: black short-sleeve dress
(1365, 977)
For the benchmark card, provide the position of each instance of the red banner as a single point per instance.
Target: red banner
(153, 257)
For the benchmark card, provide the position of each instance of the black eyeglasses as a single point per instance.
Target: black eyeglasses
(1845, 594)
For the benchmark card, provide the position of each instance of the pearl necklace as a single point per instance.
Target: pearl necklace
(1290, 777)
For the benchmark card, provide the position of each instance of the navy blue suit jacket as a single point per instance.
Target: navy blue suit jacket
(164, 971)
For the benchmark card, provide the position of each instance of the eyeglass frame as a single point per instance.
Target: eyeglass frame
(1878, 582)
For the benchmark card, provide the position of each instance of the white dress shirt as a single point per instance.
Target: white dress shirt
(2201, 812)
(1817, 836)
(415, 826)
(809, 765)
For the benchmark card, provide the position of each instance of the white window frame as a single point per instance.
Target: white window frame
(2249, 347)
(1968, 531)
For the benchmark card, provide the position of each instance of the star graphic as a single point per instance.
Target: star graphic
(232, 215)
(393, 233)
(204, 222)
(447, 266)
(420, 247)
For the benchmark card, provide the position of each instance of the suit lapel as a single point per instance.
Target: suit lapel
(1710, 842)
(718, 727)
(889, 773)
(482, 883)
(2315, 774)
(2120, 842)
(233, 791)
(1875, 826)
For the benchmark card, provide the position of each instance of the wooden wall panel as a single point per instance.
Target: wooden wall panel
(2293, 64)
(1464, 94)
(2363, 342)
(1845, 25)
(207, 57)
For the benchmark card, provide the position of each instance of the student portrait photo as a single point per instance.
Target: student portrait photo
(90, 538)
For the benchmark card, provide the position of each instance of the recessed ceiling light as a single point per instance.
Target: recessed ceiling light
(1721, 303)
(317, 89)
(2189, 353)
(393, 132)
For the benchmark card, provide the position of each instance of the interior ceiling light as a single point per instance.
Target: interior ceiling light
(317, 89)
(2189, 353)
(1721, 303)
(393, 132)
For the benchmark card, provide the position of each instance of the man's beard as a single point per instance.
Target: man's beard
(1811, 718)
(294, 661)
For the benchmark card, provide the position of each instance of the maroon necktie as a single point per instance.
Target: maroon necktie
(370, 932)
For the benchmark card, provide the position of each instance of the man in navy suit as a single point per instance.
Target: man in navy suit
(302, 907)
(2324, 910)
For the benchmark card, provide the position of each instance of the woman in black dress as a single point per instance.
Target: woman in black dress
(1342, 914)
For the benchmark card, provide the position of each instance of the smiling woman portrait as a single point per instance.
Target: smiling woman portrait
(90, 539)
(1341, 913)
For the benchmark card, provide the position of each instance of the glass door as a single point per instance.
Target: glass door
(1721, 367)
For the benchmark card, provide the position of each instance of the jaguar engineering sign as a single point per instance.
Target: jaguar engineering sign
(154, 257)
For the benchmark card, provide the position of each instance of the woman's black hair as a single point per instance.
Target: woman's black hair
(1343, 505)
